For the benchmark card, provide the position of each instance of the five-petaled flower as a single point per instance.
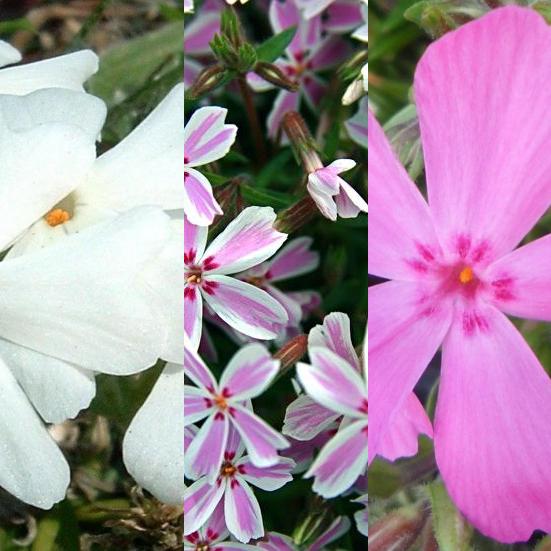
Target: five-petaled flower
(483, 94)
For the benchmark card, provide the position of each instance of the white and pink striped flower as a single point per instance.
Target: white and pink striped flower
(224, 405)
(247, 241)
(357, 125)
(206, 139)
(241, 509)
(332, 194)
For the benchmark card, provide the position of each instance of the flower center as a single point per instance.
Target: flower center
(466, 275)
(228, 469)
(57, 217)
(202, 546)
(220, 402)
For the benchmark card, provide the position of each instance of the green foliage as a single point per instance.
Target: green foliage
(275, 46)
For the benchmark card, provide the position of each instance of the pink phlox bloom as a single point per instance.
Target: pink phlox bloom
(332, 194)
(212, 536)
(357, 125)
(455, 270)
(206, 139)
(362, 32)
(302, 452)
(247, 241)
(197, 36)
(362, 516)
(241, 509)
(223, 405)
(307, 54)
(274, 541)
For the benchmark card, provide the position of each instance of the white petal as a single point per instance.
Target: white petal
(67, 71)
(341, 165)
(8, 54)
(153, 447)
(32, 467)
(82, 300)
(243, 515)
(58, 390)
(146, 167)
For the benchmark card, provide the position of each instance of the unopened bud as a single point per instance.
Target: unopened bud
(273, 74)
(246, 58)
(291, 352)
(207, 80)
(397, 531)
(296, 216)
(304, 145)
(312, 525)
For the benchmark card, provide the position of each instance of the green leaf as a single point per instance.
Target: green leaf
(452, 531)
(274, 47)
(14, 25)
(214, 179)
(265, 198)
(273, 169)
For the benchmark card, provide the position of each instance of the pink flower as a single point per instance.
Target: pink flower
(223, 404)
(245, 242)
(273, 541)
(332, 194)
(241, 509)
(293, 260)
(206, 139)
(211, 536)
(357, 125)
(308, 53)
(483, 94)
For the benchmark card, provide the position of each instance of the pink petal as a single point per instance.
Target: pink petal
(258, 84)
(324, 181)
(341, 165)
(267, 478)
(200, 500)
(330, 52)
(200, 205)
(471, 124)
(325, 202)
(195, 239)
(349, 202)
(337, 529)
(341, 461)
(189, 434)
(249, 373)
(314, 89)
(247, 241)
(333, 382)
(193, 315)
(362, 516)
(197, 371)
(342, 16)
(284, 102)
(214, 529)
(520, 282)
(293, 260)
(243, 516)
(205, 454)
(284, 15)
(195, 407)
(357, 125)
(405, 332)
(246, 308)
(335, 335)
(206, 137)
(401, 440)
(400, 226)
(492, 430)
(291, 307)
(200, 32)
(273, 541)
(261, 440)
(192, 69)
(305, 418)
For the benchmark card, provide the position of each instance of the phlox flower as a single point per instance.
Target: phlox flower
(332, 194)
(152, 446)
(206, 139)
(311, 8)
(293, 260)
(212, 535)
(241, 509)
(247, 241)
(362, 516)
(68, 71)
(357, 125)
(482, 95)
(307, 54)
(223, 404)
(274, 541)
(362, 32)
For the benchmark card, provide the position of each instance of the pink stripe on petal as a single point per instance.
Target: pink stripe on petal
(273, 541)
(243, 515)
(305, 418)
(249, 372)
(341, 461)
(246, 308)
(324, 202)
(192, 69)
(261, 440)
(292, 307)
(314, 89)
(329, 53)
(195, 239)
(200, 205)
(193, 315)
(324, 181)
(214, 529)
(189, 434)
(247, 241)
(200, 500)
(339, 527)
(200, 32)
(197, 371)
(342, 16)
(349, 202)
(333, 382)
(283, 15)
(284, 102)
(294, 259)
(267, 478)
(205, 454)
(216, 143)
(200, 123)
(196, 406)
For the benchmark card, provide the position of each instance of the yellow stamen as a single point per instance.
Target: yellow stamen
(220, 402)
(56, 217)
(228, 470)
(194, 278)
(466, 275)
